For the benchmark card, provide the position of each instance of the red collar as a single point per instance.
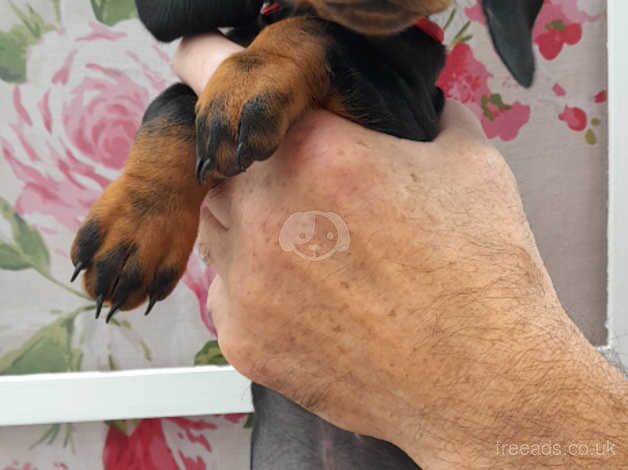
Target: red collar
(431, 29)
(424, 24)
(271, 8)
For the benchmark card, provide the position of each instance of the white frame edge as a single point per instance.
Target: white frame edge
(617, 308)
(99, 396)
(194, 391)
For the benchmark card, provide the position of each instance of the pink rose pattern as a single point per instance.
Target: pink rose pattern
(560, 25)
(84, 123)
(465, 79)
(148, 447)
(69, 127)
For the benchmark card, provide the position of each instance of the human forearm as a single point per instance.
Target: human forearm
(551, 401)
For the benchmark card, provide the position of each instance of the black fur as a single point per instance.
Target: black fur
(287, 437)
(129, 280)
(257, 119)
(164, 282)
(89, 239)
(388, 83)
(174, 105)
(164, 18)
(109, 267)
(510, 24)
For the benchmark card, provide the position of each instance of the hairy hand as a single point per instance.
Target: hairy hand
(395, 289)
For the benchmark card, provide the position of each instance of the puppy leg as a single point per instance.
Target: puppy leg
(254, 96)
(137, 238)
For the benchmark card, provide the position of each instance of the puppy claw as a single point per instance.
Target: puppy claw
(244, 156)
(112, 312)
(77, 269)
(151, 303)
(199, 167)
(99, 302)
(203, 167)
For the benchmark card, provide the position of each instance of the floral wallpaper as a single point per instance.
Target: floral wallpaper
(75, 79)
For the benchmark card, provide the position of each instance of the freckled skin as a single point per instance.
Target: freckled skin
(480, 350)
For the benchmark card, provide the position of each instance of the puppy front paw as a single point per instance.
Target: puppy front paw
(137, 238)
(244, 112)
(134, 245)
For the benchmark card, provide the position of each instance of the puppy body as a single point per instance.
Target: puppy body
(286, 437)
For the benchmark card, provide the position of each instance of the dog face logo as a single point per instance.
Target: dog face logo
(314, 235)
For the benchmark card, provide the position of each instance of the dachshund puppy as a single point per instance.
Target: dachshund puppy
(362, 59)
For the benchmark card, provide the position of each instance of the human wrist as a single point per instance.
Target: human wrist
(197, 58)
(559, 403)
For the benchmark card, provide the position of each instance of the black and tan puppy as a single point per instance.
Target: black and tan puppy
(362, 59)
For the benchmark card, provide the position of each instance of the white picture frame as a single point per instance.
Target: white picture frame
(617, 287)
(98, 396)
(190, 391)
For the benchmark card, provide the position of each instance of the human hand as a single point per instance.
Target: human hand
(429, 329)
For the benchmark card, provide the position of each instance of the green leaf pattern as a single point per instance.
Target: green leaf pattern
(48, 350)
(28, 249)
(210, 355)
(15, 42)
(111, 12)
